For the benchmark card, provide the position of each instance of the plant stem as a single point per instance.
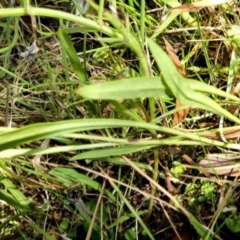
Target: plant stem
(142, 21)
(125, 36)
(131, 41)
(36, 11)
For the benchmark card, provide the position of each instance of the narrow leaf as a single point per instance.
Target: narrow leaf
(180, 87)
(70, 174)
(16, 193)
(129, 88)
(73, 57)
(108, 152)
(141, 87)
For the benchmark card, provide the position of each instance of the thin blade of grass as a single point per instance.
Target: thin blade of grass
(40, 230)
(126, 218)
(9, 153)
(132, 210)
(108, 152)
(201, 230)
(64, 174)
(10, 200)
(16, 193)
(73, 57)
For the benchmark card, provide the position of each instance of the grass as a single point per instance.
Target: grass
(90, 145)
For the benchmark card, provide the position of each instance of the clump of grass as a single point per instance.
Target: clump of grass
(88, 146)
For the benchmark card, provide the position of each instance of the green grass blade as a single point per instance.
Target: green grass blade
(199, 227)
(126, 218)
(73, 57)
(9, 153)
(9, 199)
(133, 211)
(108, 152)
(47, 130)
(16, 193)
(40, 230)
(64, 174)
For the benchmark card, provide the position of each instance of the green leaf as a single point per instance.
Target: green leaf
(129, 88)
(142, 87)
(8, 198)
(133, 211)
(66, 175)
(180, 87)
(22, 201)
(125, 218)
(9, 153)
(38, 131)
(201, 230)
(64, 225)
(40, 230)
(233, 224)
(73, 57)
(121, 161)
(130, 234)
(108, 152)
